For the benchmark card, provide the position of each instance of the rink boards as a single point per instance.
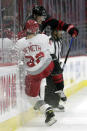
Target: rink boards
(16, 110)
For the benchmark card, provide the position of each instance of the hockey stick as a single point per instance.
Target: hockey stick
(68, 52)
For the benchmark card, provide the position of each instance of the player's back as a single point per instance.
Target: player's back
(36, 53)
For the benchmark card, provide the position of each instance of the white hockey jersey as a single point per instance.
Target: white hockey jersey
(35, 53)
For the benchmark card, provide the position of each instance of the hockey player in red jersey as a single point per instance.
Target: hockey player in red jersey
(34, 51)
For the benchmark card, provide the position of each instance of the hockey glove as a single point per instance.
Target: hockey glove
(73, 31)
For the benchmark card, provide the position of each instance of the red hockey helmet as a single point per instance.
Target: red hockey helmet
(32, 26)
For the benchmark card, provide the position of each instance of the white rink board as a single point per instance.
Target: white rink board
(11, 105)
(75, 70)
(9, 81)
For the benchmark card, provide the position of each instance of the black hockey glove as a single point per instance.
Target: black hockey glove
(73, 32)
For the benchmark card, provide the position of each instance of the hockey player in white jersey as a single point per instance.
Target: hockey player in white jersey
(34, 51)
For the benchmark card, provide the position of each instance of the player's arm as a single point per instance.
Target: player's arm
(60, 25)
(70, 28)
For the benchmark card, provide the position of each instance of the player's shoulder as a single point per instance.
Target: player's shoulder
(21, 40)
(21, 43)
(43, 36)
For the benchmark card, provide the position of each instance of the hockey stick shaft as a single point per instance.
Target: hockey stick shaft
(68, 52)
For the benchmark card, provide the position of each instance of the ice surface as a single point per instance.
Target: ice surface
(74, 118)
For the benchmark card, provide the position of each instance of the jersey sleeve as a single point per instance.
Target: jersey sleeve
(45, 42)
(60, 25)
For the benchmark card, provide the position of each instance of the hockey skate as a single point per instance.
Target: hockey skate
(50, 117)
(62, 95)
(59, 108)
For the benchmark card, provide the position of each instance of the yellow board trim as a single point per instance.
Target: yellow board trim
(16, 122)
(75, 88)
